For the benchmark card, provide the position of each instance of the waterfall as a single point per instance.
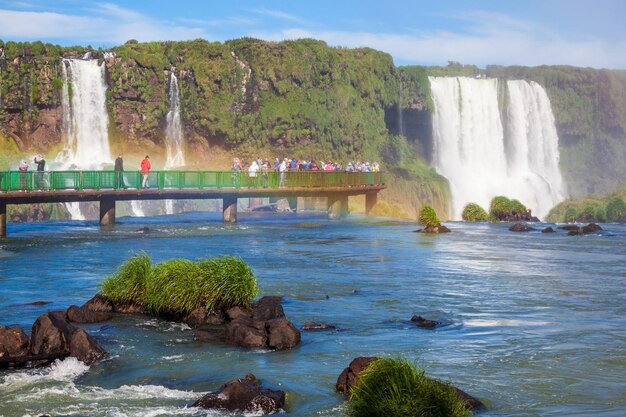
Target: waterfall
(483, 157)
(173, 135)
(85, 116)
(85, 120)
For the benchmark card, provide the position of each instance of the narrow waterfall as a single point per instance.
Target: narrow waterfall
(483, 157)
(85, 120)
(173, 135)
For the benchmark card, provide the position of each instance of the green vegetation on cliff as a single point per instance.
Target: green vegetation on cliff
(609, 207)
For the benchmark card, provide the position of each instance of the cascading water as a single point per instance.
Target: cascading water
(85, 120)
(480, 161)
(173, 135)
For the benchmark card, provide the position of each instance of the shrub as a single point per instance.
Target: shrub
(397, 387)
(571, 214)
(500, 206)
(128, 285)
(615, 210)
(229, 281)
(516, 206)
(474, 213)
(428, 217)
(600, 214)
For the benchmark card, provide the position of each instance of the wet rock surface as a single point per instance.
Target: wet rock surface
(424, 323)
(520, 227)
(313, 326)
(243, 395)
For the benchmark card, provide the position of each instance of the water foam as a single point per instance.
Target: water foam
(65, 370)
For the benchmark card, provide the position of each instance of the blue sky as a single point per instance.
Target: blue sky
(532, 32)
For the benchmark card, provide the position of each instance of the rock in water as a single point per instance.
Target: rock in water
(84, 315)
(520, 227)
(13, 341)
(548, 230)
(350, 375)
(311, 325)
(243, 395)
(422, 322)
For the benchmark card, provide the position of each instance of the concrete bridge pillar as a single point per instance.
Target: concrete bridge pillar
(293, 203)
(107, 212)
(371, 198)
(229, 208)
(337, 207)
(3, 219)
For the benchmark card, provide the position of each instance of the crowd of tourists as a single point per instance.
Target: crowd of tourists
(296, 165)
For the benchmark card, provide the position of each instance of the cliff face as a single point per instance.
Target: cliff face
(300, 99)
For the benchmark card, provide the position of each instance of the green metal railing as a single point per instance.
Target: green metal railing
(102, 180)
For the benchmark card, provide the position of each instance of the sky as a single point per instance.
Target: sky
(480, 32)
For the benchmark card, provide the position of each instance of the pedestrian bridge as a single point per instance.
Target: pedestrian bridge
(107, 187)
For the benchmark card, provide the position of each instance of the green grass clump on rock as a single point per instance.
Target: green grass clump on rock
(128, 285)
(179, 286)
(428, 217)
(229, 282)
(499, 207)
(397, 387)
(474, 213)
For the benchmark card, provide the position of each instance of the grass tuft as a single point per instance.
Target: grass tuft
(428, 217)
(175, 287)
(474, 213)
(229, 282)
(397, 387)
(128, 285)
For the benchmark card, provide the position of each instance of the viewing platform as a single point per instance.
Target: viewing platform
(108, 187)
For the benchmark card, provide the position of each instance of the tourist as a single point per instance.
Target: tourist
(23, 167)
(119, 169)
(41, 166)
(283, 169)
(235, 169)
(264, 172)
(145, 170)
(252, 171)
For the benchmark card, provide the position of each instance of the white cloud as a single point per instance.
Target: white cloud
(277, 14)
(111, 24)
(491, 38)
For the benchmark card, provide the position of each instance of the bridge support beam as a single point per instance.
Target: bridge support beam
(3, 219)
(337, 207)
(371, 198)
(107, 212)
(229, 207)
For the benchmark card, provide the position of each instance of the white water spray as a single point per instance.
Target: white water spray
(173, 135)
(473, 152)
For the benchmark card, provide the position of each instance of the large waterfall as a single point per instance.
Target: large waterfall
(173, 135)
(484, 152)
(85, 115)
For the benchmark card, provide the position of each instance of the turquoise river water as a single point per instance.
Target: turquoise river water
(534, 324)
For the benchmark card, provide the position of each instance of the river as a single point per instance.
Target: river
(534, 324)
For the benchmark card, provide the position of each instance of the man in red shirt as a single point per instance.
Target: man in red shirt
(145, 170)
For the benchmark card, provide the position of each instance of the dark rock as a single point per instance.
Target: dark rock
(520, 227)
(591, 227)
(569, 227)
(83, 315)
(46, 337)
(311, 325)
(204, 334)
(422, 322)
(130, 309)
(85, 348)
(40, 303)
(436, 229)
(267, 308)
(245, 332)
(243, 395)
(53, 333)
(282, 334)
(472, 402)
(144, 229)
(574, 232)
(13, 341)
(350, 375)
(234, 313)
(547, 230)
(200, 316)
(99, 303)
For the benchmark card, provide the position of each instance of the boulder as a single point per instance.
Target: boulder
(267, 308)
(234, 313)
(84, 315)
(569, 227)
(282, 334)
(422, 322)
(350, 375)
(13, 341)
(53, 333)
(243, 395)
(99, 303)
(200, 316)
(434, 229)
(311, 325)
(547, 230)
(245, 332)
(520, 227)
(591, 227)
